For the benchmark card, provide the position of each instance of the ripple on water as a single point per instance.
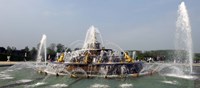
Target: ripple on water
(3, 72)
(9, 70)
(182, 76)
(170, 82)
(23, 81)
(5, 76)
(18, 68)
(59, 85)
(37, 84)
(126, 85)
(99, 86)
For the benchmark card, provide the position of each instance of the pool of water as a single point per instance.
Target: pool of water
(22, 76)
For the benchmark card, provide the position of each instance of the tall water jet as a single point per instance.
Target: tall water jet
(183, 41)
(42, 55)
(91, 39)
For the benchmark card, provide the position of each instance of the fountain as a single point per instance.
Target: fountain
(118, 69)
(91, 38)
(42, 55)
(94, 60)
(183, 41)
(182, 66)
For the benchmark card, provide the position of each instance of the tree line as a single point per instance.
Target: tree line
(28, 54)
(167, 55)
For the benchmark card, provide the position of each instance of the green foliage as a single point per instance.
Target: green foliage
(140, 56)
(51, 49)
(60, 48)
(9, 50)
(3, 57)
(33, 53)
(197, 57)
(26, 49)
(19, 55)
(27, 54)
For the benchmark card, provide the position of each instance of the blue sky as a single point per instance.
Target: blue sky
(131, 24)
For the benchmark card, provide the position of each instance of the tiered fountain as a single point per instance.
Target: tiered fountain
(94, 60)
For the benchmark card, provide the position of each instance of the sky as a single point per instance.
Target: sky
(131, 24)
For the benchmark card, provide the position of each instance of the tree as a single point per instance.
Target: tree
(33, 53)
(60, 47)
(51, 53)
(51, 49)
(9, 50)
(26, 49)
(13, 48)
(26, 53)
(140, 56)
(52, 46)
(197, 57)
